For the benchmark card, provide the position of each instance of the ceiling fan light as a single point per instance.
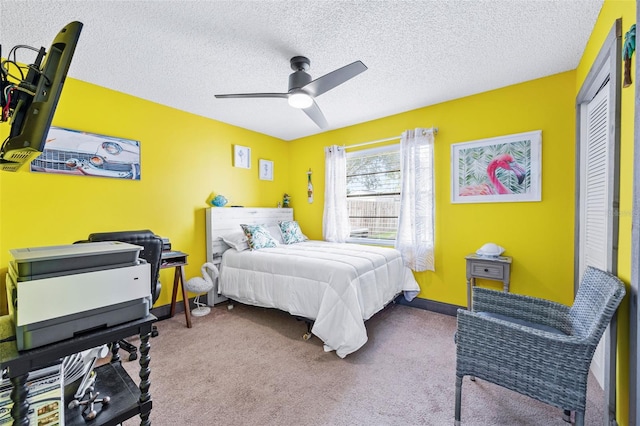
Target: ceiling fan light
(300, 100)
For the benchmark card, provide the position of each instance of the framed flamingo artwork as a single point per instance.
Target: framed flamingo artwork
(501, 169)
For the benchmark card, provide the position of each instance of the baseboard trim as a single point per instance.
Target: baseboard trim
(163, 312)
(430, 305)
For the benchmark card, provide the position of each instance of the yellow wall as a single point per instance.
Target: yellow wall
(539, 235)
(184, 158)
(612, 10)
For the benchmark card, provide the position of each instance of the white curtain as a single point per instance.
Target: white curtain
(335, 220)
(415, 228)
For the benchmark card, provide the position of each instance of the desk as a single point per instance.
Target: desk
(490, 268)
(127, 399)
(177, 259)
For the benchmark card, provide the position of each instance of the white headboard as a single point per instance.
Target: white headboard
(222, 220)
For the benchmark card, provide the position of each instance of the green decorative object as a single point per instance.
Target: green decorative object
(627, 52)
(286, 199)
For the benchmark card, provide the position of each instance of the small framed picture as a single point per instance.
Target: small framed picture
(241, 157)
(266, 170)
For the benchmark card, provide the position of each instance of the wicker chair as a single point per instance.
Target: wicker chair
(536, 347)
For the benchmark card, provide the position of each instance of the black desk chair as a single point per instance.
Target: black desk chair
(152, 253)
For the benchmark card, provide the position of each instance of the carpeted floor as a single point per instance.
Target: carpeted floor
(250, 366)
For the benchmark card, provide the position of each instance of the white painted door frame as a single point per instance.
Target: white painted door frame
(596, 246)
(606, 67)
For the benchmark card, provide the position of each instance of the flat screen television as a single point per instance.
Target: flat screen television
(36, 97)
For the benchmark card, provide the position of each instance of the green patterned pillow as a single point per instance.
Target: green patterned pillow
(291, 232)
(258, 237)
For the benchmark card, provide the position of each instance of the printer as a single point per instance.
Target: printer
(57, 292)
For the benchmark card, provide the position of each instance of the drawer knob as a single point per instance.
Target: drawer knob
(486, 270)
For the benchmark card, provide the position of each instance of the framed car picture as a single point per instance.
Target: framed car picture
(74, 152)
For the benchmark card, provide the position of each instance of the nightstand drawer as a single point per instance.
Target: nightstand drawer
(497, 269)
(487, 270)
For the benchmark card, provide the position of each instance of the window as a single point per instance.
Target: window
(373, 194)
(383, 196)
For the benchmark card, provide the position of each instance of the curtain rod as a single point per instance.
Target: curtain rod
(433, 129)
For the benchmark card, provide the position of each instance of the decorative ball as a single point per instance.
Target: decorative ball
(219, 201)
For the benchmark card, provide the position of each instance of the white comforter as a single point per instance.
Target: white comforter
(337, 285)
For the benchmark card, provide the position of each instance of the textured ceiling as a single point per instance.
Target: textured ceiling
(419, 53)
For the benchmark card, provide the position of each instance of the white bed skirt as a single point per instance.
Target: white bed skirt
(339, 286)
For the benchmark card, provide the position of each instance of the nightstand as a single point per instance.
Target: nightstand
(177, 259)
(490, 268)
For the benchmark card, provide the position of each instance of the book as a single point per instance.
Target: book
(45, 397)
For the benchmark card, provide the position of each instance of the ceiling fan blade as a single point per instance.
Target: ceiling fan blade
(253, 95)
(335, 78)
(316, 115)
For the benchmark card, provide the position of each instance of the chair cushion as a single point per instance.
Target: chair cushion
(519, 321)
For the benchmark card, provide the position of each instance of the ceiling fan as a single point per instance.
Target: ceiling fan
(302, 91)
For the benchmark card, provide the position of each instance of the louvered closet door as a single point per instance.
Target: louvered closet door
(596, 196)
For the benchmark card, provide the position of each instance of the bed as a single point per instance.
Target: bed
(336, 286)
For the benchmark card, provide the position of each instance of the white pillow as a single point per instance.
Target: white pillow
(237, 240)
(274, 230)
